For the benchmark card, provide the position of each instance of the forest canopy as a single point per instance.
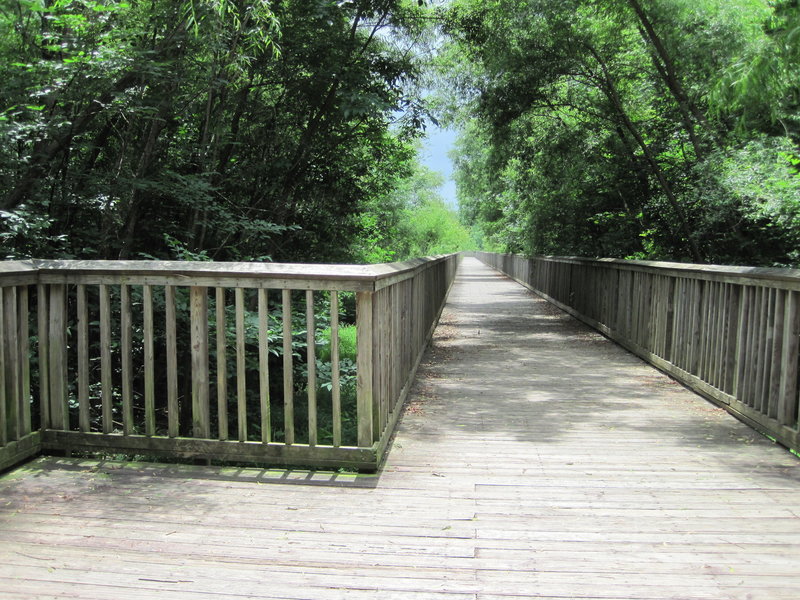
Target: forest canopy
(656, 129)
(289, 129)
(209, 129)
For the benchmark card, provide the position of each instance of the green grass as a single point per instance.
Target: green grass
(347, 344)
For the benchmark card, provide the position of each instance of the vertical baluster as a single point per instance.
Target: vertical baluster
(106, 390)
(25, 365)
(788, 398)
(57, 345)
(263, 365)
(311, 359)
(336, 408)
(149, 362)
(288, 376)
(222, 365)
(11, 362)
(4, 397)
(241, 373)
(83, 360)
(745, 328)
(173, 410)
(364, 367)
(762, 346)
(198, 314)
(731, 347)
(773, 384)
(44, 355)
(126, 347)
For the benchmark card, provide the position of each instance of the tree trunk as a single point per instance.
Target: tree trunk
(611, 92)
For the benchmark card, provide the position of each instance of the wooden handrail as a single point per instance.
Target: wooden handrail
(105, 332)
(730, 333)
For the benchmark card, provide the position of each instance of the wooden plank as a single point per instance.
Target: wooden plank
(336, 408)
(25, 398)
(263, 365)
(149, 361)
(106, 390)
(126, 358)
(732, 316)
(241, 371)
(288, 374)
(364, 368)
(311, 364)
(222, 365)
(787, 411)
(198, 314)
(6, 428)
(273, 453)
(760, 347)
(42, 334)
(773, 377)
(11, 362)
(57, 346)
(83, 360)
(171, 341)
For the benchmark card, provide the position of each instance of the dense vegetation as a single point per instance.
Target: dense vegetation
(664, 129)
(219, 129)
(288, 129)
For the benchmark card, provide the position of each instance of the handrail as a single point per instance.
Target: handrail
(89, 350)
(730, 333)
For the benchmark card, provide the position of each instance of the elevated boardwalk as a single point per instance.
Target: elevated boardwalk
(535, 459)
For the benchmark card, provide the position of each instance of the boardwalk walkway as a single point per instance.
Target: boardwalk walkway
(535, 460)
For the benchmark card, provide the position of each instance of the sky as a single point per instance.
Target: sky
(434, 156)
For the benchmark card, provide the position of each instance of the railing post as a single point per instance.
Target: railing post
(57, 346)
(364, 367)
(198, 301)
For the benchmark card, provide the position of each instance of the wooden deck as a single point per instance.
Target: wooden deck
(536, 459)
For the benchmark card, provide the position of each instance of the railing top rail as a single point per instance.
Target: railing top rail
(732, 274)
(346, 277)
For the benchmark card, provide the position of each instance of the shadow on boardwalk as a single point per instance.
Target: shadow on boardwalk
(535, 460)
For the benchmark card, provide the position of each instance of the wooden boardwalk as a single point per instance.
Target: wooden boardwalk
(535, 460)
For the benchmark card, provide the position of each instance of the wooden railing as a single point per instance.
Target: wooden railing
(730, 333)
(211, 360)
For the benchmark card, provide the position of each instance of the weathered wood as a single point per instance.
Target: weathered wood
(14, 452)
(241, 371)
(364, 367)
(171, 335)
(263, 365)
(311, 364)
(126, 349)
(83, 360)
(6, 426)
(222, 364)
(288, 375)
(57, 346)
(644, 492)
(787, 409)
(386, 367)
(42, 331)
(336, 408)
(274, 453)
(727, 338)
(198, 314)
(149, 362)
(106, 391)
(23, 335)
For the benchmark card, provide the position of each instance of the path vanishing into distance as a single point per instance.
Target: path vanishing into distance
(535, 459)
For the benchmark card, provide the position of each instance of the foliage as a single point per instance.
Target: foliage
(241, 130)
(661, 129)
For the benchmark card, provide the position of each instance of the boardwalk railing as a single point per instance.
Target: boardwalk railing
(730, 333)
(239, 362)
